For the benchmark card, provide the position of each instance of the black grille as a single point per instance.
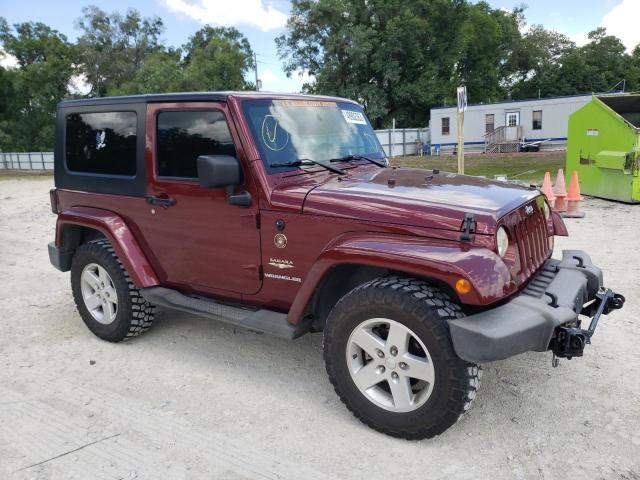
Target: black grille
(531, 238)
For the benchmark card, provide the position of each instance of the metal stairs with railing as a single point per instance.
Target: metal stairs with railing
(504, 139)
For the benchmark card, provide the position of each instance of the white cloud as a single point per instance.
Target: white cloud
(277, 81)
(267, 76)
(235, 12)
(7, 60)
(622, 21)
(78, 85)
(581, 38)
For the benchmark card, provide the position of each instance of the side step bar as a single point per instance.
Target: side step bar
(262, 320)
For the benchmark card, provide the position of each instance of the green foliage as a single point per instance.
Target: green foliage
(113, 47)
(160, 73)
(217, 59)
(29, 93)
(401, 57)
(397, 57)
(116, 54)
(213, 59)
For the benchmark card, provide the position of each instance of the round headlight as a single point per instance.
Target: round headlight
(502, 241)
(545, 209)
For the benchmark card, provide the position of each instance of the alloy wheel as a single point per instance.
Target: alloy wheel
(390, 365)
(99, 293)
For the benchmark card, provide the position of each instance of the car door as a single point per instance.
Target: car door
(195, 239)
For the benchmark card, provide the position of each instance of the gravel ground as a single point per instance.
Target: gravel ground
(194, 398)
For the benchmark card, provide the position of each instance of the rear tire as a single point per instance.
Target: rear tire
(108, 302)
(389, 356)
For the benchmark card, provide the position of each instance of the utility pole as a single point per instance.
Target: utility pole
(255, 69)
(462, 106)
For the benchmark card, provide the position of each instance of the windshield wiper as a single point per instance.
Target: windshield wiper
(307, 161)
(348, 158)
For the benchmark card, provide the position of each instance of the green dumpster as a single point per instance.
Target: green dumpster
(603, 146)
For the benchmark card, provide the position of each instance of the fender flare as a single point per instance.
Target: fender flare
(437, 259)
(114, 228)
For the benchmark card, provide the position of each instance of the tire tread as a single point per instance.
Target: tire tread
(417, 294)
(142, 312)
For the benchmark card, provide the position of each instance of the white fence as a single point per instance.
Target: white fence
(403, 141)
(26, 161)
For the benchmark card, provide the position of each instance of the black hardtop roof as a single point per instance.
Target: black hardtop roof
(192, 97)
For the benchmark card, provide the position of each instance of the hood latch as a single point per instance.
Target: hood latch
(468, 225)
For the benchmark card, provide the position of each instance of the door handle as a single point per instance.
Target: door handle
(165, 201)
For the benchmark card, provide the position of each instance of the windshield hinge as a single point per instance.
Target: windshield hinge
(468, 225)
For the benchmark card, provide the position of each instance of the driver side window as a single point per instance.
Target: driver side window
(182, 136)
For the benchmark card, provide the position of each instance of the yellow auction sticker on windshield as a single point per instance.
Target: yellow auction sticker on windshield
(306, 103)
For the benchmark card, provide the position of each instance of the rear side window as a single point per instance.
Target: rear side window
(103, 143)
(184, 136)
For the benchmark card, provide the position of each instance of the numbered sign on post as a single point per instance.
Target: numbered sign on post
(462, 99)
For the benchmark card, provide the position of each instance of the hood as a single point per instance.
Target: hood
(416, 197)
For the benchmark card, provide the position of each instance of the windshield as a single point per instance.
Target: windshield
(290, 130)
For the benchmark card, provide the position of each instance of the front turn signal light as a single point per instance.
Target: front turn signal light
(463, 285)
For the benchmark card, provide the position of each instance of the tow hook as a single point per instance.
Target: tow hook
(569, 342)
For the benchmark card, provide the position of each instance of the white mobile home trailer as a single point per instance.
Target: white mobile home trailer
(522, 121)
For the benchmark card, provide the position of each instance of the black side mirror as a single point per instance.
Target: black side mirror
(218, 171)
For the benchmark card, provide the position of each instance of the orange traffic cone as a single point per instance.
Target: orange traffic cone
(574, 188)
(560, 191)
(573, 198)
(546, 188)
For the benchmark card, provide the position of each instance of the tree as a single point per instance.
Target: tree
(161, 73)
(113, 47)
(217, 59)
(399, 58)
(213, 59)
(554, 65)
(538, 64)
(605, 60)
(45, 66)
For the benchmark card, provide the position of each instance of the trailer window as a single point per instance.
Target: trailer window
(185, 135)
(537, 120)
(489, 122)
(103, 143)
(445, 125)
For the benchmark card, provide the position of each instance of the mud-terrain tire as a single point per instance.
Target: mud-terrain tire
(97, 276)
(415, 313)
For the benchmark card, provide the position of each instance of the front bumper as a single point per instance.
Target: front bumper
(552, 300)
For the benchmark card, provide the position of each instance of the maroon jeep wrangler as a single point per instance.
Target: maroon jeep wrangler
(281, 214)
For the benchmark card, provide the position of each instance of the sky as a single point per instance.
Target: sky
(261, 21)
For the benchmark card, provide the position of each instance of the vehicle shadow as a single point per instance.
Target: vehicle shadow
(511, 390)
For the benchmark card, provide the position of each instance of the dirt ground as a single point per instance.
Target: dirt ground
(194, 398)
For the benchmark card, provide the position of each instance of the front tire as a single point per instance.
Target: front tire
(108, 302)
(389, 356)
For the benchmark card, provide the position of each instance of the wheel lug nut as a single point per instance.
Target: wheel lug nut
(380, 369)
(380, 354)
(394, 375)
(403, 365)
(394, 350)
